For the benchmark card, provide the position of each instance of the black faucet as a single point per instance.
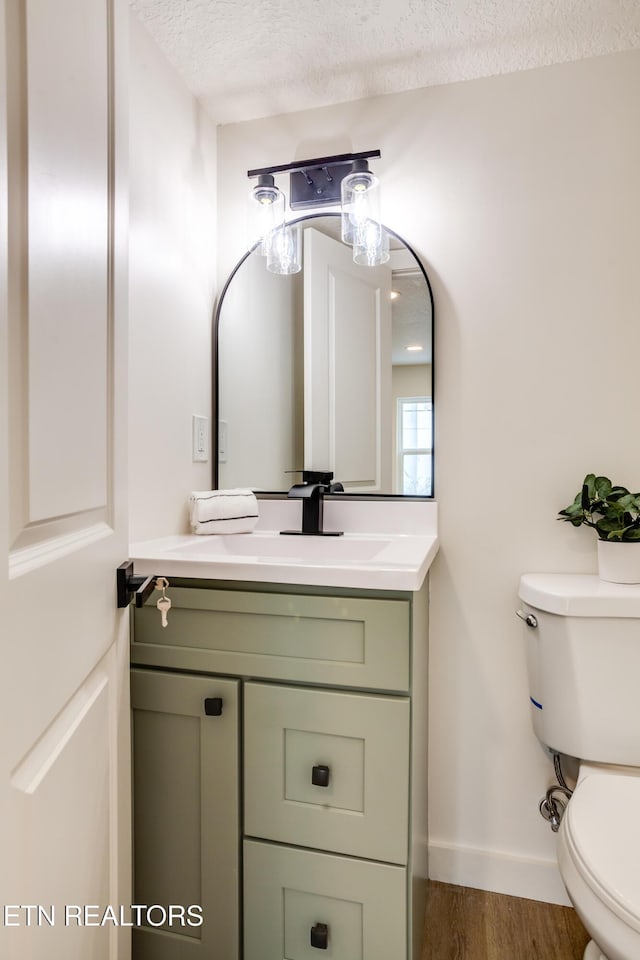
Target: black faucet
(315, 484)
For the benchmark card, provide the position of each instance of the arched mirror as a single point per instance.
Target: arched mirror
(330, 368)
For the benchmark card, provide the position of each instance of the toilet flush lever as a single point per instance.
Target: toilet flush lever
(529, 618)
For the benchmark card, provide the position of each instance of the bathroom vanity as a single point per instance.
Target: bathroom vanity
(280, 748)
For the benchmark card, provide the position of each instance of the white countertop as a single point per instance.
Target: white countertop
(385, 546)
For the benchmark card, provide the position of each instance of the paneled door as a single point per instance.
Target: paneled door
(64, 717)
(347, 366)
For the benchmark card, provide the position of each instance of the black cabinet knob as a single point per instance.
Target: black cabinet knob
(320, 775)
(320, 936)
(213, 706)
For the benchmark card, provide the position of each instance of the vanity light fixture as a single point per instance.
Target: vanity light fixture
(266, 211)
(361, 224)
(325, 181)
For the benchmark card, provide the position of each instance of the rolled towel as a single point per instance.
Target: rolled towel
(223, 511)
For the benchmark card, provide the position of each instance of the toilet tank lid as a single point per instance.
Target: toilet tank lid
(579, 595)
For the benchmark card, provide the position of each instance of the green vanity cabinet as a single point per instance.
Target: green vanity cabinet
(322, 746)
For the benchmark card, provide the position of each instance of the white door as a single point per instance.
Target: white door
(64, 719)
(347, 375)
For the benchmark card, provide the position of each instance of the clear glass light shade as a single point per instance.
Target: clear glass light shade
(372, 246)
(265, 214)
(284, 253)
(360, 204)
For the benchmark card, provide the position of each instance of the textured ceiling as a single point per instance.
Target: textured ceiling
(254, 58)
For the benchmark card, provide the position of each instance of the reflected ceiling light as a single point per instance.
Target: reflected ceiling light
(326, 181)
(394, 294)
(414, 348)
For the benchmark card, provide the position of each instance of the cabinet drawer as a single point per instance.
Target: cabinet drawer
(288, 893)
(340, 641)
(356, 749)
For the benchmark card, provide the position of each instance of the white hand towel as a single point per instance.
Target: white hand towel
(223, 511)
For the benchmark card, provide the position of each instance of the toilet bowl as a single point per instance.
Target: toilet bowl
(583, 663)
(598, 850)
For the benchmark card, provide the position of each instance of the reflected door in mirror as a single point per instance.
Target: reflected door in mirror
(347, 360)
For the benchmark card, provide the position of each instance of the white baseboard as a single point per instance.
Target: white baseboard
(498, 872)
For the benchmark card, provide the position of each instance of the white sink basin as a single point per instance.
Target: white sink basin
(275, 548)
(374, 560)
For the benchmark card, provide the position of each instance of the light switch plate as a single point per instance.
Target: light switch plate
(200, 438)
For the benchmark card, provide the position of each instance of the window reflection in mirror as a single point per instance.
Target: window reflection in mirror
(330, 368)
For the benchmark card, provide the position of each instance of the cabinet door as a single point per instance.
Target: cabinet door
(328, 770)
(298, 903)
(185, 815)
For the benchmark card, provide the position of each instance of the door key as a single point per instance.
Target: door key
(164, 603)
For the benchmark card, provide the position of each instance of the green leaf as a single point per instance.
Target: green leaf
(614, 509)
(617, 492)
(590, 483)
(631, 534)
(603, 487)
(610, 522)
(607, 526)
(573, 510)
(585, 499)
(615, 535)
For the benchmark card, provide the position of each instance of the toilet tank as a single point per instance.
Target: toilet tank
(583, 664)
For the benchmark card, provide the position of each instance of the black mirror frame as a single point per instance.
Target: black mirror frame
(215, 378)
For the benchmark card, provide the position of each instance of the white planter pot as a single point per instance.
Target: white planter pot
(619, 562)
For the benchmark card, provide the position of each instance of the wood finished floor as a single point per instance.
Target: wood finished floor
(466, 924)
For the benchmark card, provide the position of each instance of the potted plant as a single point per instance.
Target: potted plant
(614, 513)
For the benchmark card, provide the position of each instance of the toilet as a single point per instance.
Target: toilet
(583, 662)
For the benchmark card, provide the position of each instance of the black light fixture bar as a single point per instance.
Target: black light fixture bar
(318, 163)
(316, 182)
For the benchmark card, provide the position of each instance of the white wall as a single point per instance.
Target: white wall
(521, 195)
(172, 288)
